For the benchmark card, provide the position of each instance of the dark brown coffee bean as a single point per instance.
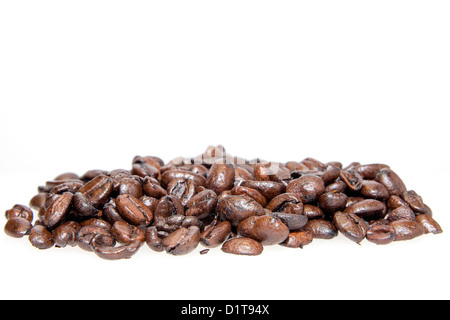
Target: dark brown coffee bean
(395, 202)
(133, 210)
(66, 234)
(182, 241)
(67, 176)
(368, 209)
(312, 212)
(249, 192)
(351, 226)
(352, 200)
(292, 221)
(153, 189)
(182, 189)
(126, 233)
(242, 174)
(308, 186)
(267, 230)
(337, 186)
(321, 229)
(220, 178)
(414, 201)
(110, 213)
(58, 210)
(41, 238)
(111, 252)
(269, 189)
(17, 227)
(242, 246)
(38, 201)
(87, 233)
(145, 170)
(83, 207)
(153, 240)
(97, 223)
(374, 190)
(202, 204)
(352, 179)
(403, 212)
(68, 186)
(407, 229)
(215, 235)
(19, 211)
(380, 234)
(168, 206)
(430, 225)
(131, 186)
(370, 171)
(97, 190)
(238, 208)
(287, 203)
(170, 175)
(393, 183)
(298, 239)
(332, 201)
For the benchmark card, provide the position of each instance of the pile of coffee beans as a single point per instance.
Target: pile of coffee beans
(216, 199)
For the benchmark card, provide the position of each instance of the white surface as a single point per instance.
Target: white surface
(90, 84)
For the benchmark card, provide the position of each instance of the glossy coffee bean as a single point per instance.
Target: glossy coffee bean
(352, 179)
(220, 178)
(243, 246)
(407, 229)
(269, 189)
(215, 235)
(331, 202)
(268, 230)
(87, 233)
(168, 206)
(58, 210)
(308, 186)
(393, 183)
(66, 234)
(368, 209)
(113, 252)
(41, 238)
(430, 225)
(182, 241)
(298, 239)
(153, 239)
(374, 190)
(321, 229)
(238, 208)
(402, 212)
(133, 210)
(414, 201)
(249, 192)
(381, 234)
(126, 233)
(351, 226)
(17, 227)
(202, 204)
(19, 211)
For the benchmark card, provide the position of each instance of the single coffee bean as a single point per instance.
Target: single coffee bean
(131, 186)
(38, 201)
(352, 179)
(269, 189)
(220, 177)
(374, 190)
(202, 204)
(237, 208)
(168, 206)
(332, 201)
(111, 252)
(182, 189)
(393, 183)
(97, 190)
(249, 192)
(407, 229)
(308, 186)
(298, 239)
(370, 171)
(287, 203)
(66, 234)
(403, 212)
(351, 226)
(58, 210)
(292, 221)
(368, 209)
(267, 230)
(170, 175)
(19, 211)
(126, 233)
(395, 202)
(380, 234)
(17, 227)
(414, 201)
(243, 246)
(312, 212)
(215, 235)
(321, 229)
(87, 233)
(133, 210)
(153, 240)
(430, 225)
(40, 237)
(145, 170)
(182, 241)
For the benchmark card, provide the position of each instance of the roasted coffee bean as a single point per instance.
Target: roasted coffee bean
(220, 178)
(370, 171)
(131, 186)
(312, 212)
(403, 212)
(269, 189)
(407, 229)
(17, 227)
(113, 253)
(68, 186)
(66, 234)
(298, 239)
(337, 186)
(430, 225)
(243, 246)
(321, 229)
(110, 212)
(87, 233)
(414, 201)
(19, 211)
(380, 234)
(40, 237)
(170, 175)
(292, 221)
(332, 201)
(83, 206)
(182, 241)
(395, 202)
(153, 189)
(202, 204)
(268, 230)
(215, 235)
(58, 210)
(168, 206)
(238, 208)
(351, 226)
(97, 190)
(153, 240)
(66, 176)
(249, 192)
(182, 189)
(308, 186)
(368, 209)
(374, 190)
(393, 183)
(287, 203)
(145, 170)
(126, 233)
(38, 201)
(352, 179)
(133, 210)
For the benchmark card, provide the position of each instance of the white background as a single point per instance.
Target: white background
(90, 84)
